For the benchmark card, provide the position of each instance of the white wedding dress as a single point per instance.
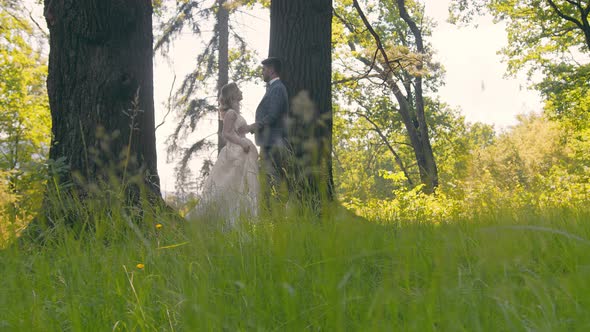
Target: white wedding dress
(232, 188)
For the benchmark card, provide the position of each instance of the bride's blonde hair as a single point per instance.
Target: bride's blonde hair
(228, 97)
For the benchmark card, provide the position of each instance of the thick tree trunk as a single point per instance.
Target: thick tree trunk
(100, 87)
(300, 34)
(222, 61)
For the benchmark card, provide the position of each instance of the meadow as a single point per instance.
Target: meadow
(506, 271)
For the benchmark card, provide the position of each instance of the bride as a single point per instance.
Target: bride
(232, 188)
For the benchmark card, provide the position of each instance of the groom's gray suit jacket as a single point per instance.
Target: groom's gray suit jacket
(271, 116)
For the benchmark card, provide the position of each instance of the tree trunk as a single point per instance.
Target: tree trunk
(222, 61)
(416, 127)
(300, 34)
(428, 169)
(420, 144)
(100, 86)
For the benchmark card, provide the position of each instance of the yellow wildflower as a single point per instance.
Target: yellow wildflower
(158, 226)
(140, 266)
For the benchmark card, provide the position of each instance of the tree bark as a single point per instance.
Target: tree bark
(222, 61)
(300, 35)
(100, 86)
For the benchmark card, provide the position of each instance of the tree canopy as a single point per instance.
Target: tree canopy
(549, 40)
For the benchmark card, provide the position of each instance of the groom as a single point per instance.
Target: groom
(270, 128)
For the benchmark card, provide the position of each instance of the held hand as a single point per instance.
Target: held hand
(243, 130)
(252, 128)
(245, 145)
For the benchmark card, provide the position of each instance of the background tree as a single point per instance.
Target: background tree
(392, 58)
(225, 55)
(300, 34)
(537, 163)
(373, 158)
(24, 116)
(100, 88)
(550, 41)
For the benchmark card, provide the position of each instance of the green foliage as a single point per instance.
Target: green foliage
(381, 99)
(537, 165)
(535, 28)
(7, 200)
(539, 158)
(359, 156)
(546, 38)
(567, 94)
(25, 122)
(451, 139)
(354, 47)
(527, 151)
(362, 158)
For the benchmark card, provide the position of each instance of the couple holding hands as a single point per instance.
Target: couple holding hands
(232, 188)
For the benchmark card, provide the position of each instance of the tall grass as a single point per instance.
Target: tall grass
(513, 272)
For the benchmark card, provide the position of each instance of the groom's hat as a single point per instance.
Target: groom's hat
(274, 62)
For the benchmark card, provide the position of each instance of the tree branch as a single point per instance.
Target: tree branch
(169, 104)
(564, 16)
(338, 162)
(371, 63)
(176, 23)
(347, 24)
(373, 33)
(389, 70)
(43, 32)
(575, 3)
(418, 80)
(586, 28)
(413, 27)
(18, 19)
(355, 78)
(384, 139)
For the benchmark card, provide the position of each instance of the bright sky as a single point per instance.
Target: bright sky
(475, 74)
(475, 80)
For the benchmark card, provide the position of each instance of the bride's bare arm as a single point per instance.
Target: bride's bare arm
(229, 133)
